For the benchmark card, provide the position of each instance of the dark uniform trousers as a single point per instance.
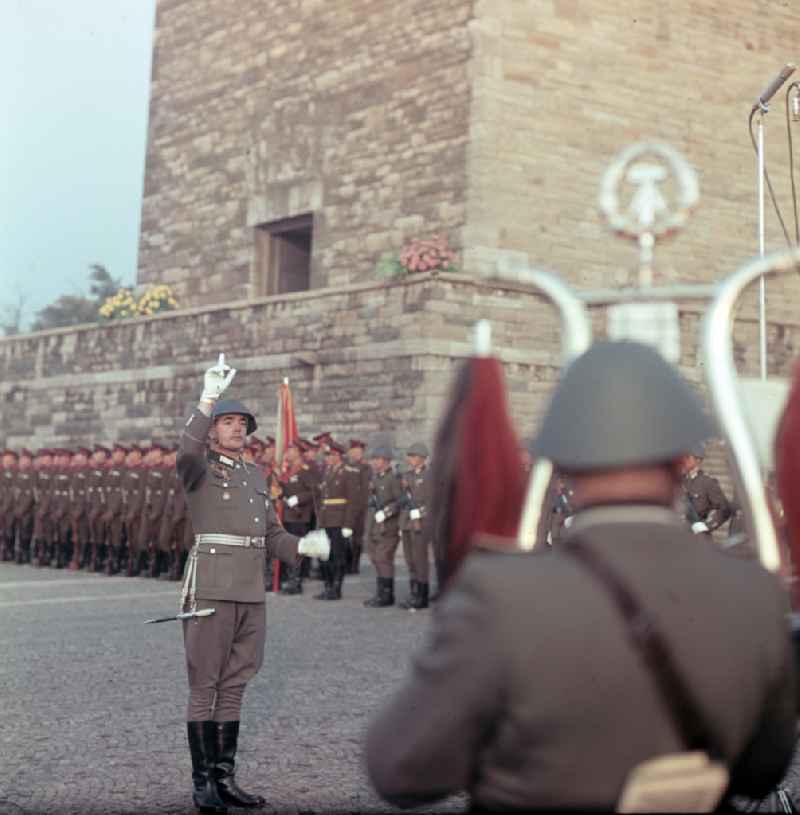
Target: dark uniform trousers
(224, 496)
(415, 551)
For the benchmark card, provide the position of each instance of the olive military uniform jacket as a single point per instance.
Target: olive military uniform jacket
(705, 500)
(24, 494)
(386, 494)
(133, 491)
(530, 695)
(300, 483)
(417, 494)
(338, 495)
(114, 485)
(226, 496)
(96, 493)
(7, 484)
(78, 494)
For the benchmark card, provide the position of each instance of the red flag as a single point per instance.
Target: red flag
(787, 467)
(286, 430)
(285, 434)
(477, 471)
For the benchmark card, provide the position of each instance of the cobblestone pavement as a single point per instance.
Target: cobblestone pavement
(93, 701)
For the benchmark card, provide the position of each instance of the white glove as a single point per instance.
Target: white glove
(698, 527)
(380, 516)
(414, 514)
(347, 532)
(315, 544)
(216, 380)
(292, 501)
(568, 521)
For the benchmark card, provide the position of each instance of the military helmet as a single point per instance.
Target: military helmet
(418, 449)
(621, 404)
(381, 452)
(227, 406)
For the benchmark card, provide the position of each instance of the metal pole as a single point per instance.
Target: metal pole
(762, 282)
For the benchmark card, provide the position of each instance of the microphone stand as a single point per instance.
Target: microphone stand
(762, 282)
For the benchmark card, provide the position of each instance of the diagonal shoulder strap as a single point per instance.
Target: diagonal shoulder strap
(656, 654)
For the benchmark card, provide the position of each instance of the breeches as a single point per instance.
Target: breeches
(383, 546)
(337, 562)
(115, 533)
(415, 549)
(223, 652)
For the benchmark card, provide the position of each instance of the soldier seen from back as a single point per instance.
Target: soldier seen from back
(535, 690)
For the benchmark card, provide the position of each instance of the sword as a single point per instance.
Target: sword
(184, 615)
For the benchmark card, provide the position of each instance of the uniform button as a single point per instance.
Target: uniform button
(255, 519)
(244, 483)
(225, 484)
(213, 551)
(251, 500)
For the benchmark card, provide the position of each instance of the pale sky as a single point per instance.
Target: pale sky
(74, 94)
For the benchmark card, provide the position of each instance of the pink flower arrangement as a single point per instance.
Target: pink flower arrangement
(426, 255)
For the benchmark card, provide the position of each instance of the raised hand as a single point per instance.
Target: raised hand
(216, 380)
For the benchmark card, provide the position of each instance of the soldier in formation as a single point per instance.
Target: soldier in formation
(236, 530)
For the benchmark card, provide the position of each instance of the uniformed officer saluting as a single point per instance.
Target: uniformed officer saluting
(536, 690)
(235, 529)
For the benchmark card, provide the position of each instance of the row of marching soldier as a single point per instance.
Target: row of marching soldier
(122, 510)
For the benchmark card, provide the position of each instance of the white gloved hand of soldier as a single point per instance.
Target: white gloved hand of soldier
(347, 532)
(315, 544)
(292, 501)
(414, 514)
(216, 380)
(380, 516)
(568, 521)
(698, 527)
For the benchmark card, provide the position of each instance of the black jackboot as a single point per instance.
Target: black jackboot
(294, 585)
(230, 792)
(385, 594)
(420, 599)
(203, 746)
(409, 601)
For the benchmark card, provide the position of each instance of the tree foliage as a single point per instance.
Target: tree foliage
(71, 309)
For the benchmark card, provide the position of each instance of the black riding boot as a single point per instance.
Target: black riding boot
(327, 576)
(294, 585)
(385, 595)
(203, 746)
(230, 792)
(409, 601)
(420, 599)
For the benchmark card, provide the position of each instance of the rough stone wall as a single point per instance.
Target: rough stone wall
(362, 359)
(560, 87)
(356, 110)
(365, 359)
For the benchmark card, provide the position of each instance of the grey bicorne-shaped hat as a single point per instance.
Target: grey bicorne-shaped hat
(621, 404)
(227, 406)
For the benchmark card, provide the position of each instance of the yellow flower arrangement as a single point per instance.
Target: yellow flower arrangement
(123, 304)
(155, 299)
(119, 306)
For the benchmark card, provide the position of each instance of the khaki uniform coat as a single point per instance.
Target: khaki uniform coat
(227, 496)
(530, 695)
